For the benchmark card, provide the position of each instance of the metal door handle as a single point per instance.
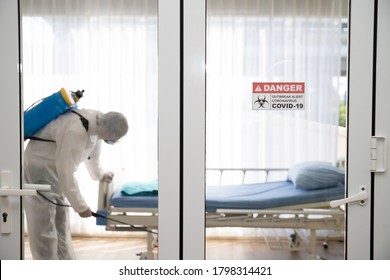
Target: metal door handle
(378, 154)
(6, 190)
(37, 187)
(5, 208)
(361, 197)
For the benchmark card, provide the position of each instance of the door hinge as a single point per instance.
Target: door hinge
(378, 154)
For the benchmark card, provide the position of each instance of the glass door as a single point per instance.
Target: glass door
(275, 128)
(381, 248)
(109, 49)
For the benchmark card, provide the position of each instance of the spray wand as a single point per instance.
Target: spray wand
(97, 215)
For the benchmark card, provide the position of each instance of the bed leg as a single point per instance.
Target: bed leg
(313, 245)
(150, 240)
(148, 255)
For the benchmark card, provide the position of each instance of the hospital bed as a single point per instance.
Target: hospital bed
(299, 202)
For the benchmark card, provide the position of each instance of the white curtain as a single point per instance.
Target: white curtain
(109, 49)
(272, 41)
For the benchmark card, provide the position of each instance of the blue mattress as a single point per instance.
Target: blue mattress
(247, 196)
(267, 195)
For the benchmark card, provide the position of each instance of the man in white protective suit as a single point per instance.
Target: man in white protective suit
(53, 158)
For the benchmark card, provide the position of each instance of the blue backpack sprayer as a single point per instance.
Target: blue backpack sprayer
(47, 109)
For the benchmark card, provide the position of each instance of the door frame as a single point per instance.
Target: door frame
(11, 241)
(182, 87)
(169, 130)
(381, 191)
(367, 225)
(360, 84)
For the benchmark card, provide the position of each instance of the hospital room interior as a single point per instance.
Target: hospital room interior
(270, 171)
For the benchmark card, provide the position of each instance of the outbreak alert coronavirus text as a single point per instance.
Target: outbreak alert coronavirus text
(278, 96)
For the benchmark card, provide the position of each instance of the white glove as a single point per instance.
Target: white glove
(85, 214)
(107, 177)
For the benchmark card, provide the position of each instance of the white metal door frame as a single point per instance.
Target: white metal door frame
(194, 130)
(11, 229)
(367, 225)
(169, 144)
(360, 85)
(381, 190)
(181, 129)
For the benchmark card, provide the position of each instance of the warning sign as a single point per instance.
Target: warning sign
(278, 96)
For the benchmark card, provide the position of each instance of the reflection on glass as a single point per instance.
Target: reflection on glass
(261, 41)
(109, 49)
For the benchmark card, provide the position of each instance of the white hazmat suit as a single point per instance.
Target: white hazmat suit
(55, 163)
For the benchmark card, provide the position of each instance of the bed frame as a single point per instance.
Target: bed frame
(302, 219)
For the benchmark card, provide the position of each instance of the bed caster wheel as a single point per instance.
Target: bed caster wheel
(293, 238)
(294, 241)
(142, 256)
(146, 256)
(155, 243)
(325, 245)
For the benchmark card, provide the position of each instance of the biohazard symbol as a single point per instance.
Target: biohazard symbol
(261, 101)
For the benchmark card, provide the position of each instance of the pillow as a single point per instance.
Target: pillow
(315, 175)
(140, 188)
